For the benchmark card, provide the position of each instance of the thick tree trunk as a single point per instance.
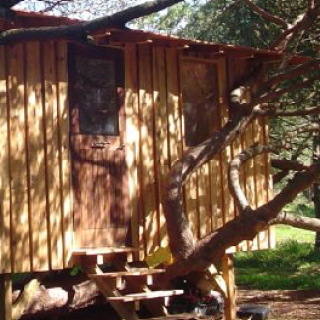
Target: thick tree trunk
(181, 239)
(245, 227)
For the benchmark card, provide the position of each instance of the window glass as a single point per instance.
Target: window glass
(199, 100)
(95, 92)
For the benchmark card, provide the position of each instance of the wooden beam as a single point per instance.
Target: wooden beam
(205, 48)
(230, 300)
(5, 297)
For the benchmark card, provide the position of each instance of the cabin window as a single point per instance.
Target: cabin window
(199, 100)
(95, 92)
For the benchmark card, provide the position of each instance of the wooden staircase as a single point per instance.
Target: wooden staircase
(126, 287)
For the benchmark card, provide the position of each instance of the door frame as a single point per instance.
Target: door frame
(117, 56)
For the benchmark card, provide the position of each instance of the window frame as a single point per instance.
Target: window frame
(221, 91)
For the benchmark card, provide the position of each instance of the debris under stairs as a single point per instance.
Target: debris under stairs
(126, 287)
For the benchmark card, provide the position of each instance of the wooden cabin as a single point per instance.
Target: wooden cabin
(88, 134)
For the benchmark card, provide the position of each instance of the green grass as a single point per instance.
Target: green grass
(285, 233)
(292, 265)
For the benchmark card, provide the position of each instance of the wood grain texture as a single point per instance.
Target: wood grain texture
(36, 156)
(28, 147)
(63, 125)
(132, 139)
(20, 235)
(5, 261)
(161, 134)
(53, 165)
(37, 203)
(147, 151)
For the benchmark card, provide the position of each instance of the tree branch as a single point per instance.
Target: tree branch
(273, 113)
(269, 96)
(276, 178)
(303, 22)
(234, 173)
(266, 15)
(284, 164)
(244, 227)
(259, 11)
(82, 30)
(293, 73)
(312, 224)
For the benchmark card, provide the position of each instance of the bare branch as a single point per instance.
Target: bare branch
(303, 22)
(309, 127)
(244, 227)
(82, 30)
(294, 113)
(266, 15)
(301, 181)
(284, 164)
(259, 11)
(293, 73)
(296, 221)
(52, 5)
(276, 178)
(234, 173)
(269, 96)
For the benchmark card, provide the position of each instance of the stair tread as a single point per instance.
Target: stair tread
(103, 250)
(132, 272)
(146, 295)
(179, 316)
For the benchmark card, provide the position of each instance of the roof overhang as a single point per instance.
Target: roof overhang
(119, 37)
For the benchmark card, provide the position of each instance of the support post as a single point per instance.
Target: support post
(230, 311)
(5, 297)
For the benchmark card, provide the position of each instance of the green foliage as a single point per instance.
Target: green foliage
(292, 265)
(76, 270)
(171, 21)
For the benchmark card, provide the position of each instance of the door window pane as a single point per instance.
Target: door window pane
(95, 92)
(199, 100)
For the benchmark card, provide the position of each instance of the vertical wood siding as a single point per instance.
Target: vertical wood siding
(35, 202)
(154, 103)
(36, 222)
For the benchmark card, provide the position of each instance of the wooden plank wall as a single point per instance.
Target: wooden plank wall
(154, 104)
(35, 202)
(35, 188)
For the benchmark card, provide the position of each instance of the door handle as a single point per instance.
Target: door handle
(121, 147)
(99, 145)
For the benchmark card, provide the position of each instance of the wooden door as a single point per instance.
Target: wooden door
(97, 131)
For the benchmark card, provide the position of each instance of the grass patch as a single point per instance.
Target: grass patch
(284, 233)
(292, 265)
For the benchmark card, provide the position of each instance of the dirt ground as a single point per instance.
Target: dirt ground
(285, 304)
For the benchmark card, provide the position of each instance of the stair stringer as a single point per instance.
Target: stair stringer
(125, 311)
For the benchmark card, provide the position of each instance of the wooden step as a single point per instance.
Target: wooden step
(180, 316)
(132, 272)
(146, 296)
(103, 251)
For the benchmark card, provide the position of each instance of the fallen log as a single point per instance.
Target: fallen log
(57, 296)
